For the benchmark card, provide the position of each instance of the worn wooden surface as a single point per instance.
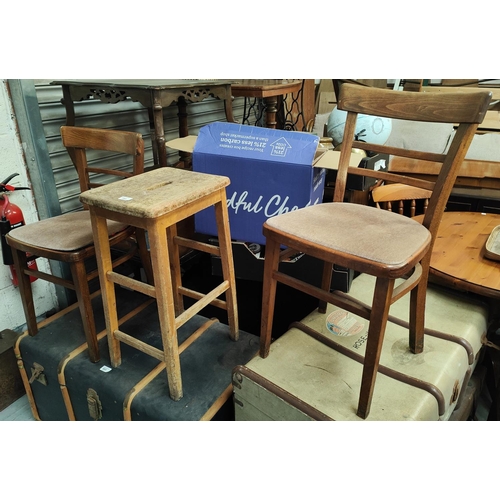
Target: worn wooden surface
(458, 253)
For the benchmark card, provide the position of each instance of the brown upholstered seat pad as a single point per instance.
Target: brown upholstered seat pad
(366, 232)
(66, 233)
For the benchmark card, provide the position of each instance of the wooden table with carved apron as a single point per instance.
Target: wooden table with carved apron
(155, 95)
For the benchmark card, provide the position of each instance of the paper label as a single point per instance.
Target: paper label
(343, 324)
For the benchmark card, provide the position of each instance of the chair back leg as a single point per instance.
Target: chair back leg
(80, 281)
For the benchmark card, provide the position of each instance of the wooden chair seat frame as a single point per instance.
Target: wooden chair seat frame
(467, 110)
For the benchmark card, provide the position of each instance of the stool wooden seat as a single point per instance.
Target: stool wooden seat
(156, 201)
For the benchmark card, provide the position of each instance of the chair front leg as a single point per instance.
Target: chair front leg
(417, 317)
(25, 290)
(418, 298)
(376, 330)
(271, 263)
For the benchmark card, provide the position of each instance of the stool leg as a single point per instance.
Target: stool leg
(271, 263)
(166, 310)
(226, 254)
(79, 274)
(376, 331)
(105, 265)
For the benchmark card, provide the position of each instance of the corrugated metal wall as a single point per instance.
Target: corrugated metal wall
(126, 115)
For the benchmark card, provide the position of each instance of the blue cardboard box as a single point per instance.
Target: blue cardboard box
(271, 172)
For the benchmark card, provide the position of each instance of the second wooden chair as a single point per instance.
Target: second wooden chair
(68, 237)
(368, 240)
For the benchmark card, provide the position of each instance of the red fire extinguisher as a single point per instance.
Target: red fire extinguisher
(11, 216)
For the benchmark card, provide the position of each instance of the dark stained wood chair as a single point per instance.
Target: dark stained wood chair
(68, 238)
(368, 240)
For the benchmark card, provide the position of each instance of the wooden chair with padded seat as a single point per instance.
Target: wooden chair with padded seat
(377, 242)
(68, 237)
(401, 198)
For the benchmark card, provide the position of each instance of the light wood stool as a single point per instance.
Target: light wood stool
(156, 201)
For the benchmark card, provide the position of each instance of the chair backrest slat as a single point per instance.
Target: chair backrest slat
(453, 107)
(78, 140)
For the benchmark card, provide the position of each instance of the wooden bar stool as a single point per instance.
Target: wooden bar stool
(156, 201)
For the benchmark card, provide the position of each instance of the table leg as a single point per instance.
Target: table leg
(184, 158)
(152, 132)
(228, 108)
(159, 133)
(68, 104)
(271, 104)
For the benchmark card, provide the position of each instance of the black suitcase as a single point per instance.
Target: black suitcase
(62, 383)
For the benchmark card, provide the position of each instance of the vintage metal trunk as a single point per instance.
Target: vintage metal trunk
(62, 383)
(312, 373)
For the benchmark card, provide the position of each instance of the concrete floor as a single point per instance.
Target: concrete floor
(19, 410)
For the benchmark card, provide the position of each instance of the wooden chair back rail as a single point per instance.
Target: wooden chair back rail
(129, 143)
(495, 91)
(417, 106)
(405, 153)
(392, 177)
(107, 171)
(478, 169)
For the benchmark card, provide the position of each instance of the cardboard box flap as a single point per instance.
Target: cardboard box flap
(257, 143)
(185, 144)
(330, 159)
